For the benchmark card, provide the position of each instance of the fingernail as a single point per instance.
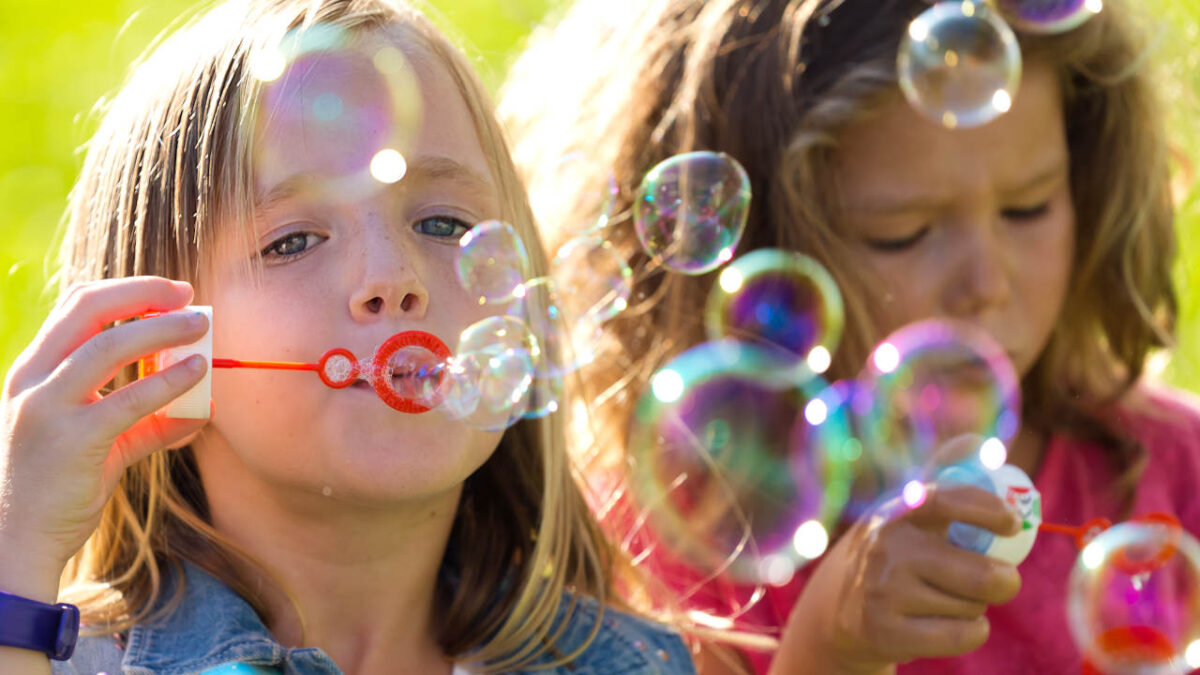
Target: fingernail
(196, 319)
(194, 363)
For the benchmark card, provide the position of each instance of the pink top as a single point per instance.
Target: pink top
(1030, 634)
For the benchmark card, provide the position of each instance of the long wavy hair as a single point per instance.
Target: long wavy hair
(169, 162)
(774, 83)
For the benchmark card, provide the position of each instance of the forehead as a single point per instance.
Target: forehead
(334, 110)
(898, 148)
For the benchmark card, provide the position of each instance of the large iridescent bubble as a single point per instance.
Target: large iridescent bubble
(351, 107)
(718, 452)
(778, 299)
(1048, 16)
(959, 64)
(691, 210)
(1134, 600)
(491, 374)
(928, 383)
(539, 306)
(492, 262)
(567, 343)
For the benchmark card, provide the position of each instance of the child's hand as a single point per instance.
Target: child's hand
(63, 447)
(893, 591)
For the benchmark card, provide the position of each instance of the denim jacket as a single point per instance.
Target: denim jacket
(214, 631)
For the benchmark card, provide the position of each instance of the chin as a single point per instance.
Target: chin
(421, 462)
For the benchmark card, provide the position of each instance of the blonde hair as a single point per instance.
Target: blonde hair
(773, 83)
(169, 162)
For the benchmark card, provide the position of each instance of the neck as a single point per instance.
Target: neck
(356, 580)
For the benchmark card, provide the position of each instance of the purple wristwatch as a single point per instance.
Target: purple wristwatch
(29, 624)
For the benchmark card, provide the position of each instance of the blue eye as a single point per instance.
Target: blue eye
(442, 226)
(291, 245)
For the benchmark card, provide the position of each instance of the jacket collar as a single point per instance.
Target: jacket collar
(211, 625)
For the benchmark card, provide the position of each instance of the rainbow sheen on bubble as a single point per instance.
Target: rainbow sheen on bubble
(959, 64)
(777, 299)
(351, 107)
(492, 262)
(719, 455)
(1133, 600)
(492, 373)
(538, 306)
(1048, 16)
(566, 344)
(927, 383)
(594, 280)
(691, 211)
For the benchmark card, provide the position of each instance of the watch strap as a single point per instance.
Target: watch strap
(29, 624)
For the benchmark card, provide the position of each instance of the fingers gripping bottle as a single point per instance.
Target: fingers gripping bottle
(1013, 486)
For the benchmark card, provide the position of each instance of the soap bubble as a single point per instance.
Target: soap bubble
(492, 262)
(959, 64)
(778, 299)
(722, 464)
(1133, 599)
(927, 383)
(331, 101)
(492, 372)
(691, 211)
(1048, 16)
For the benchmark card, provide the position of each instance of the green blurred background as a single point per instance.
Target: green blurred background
(57, 59)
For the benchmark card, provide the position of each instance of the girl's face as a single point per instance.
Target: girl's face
(973, 224)
(347, 262)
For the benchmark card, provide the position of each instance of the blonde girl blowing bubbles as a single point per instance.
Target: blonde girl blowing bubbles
(1050, 228)
(301, 529)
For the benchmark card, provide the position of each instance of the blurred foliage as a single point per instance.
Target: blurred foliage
(57, 59)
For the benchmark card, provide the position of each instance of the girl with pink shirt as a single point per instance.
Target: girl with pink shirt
(1050, 227)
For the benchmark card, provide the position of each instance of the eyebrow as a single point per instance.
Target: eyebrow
(434, 168)
(427, 168)
(894, 205)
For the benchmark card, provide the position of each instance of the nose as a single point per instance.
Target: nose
(390, 282)
(981, 273)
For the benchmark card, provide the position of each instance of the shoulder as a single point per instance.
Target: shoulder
(613, 642)
(93, 654)
(1166, 424)
(1160, 416)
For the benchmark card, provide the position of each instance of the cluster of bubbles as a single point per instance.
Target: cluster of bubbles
(691, 211)
(959, 62)
(743, 456)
